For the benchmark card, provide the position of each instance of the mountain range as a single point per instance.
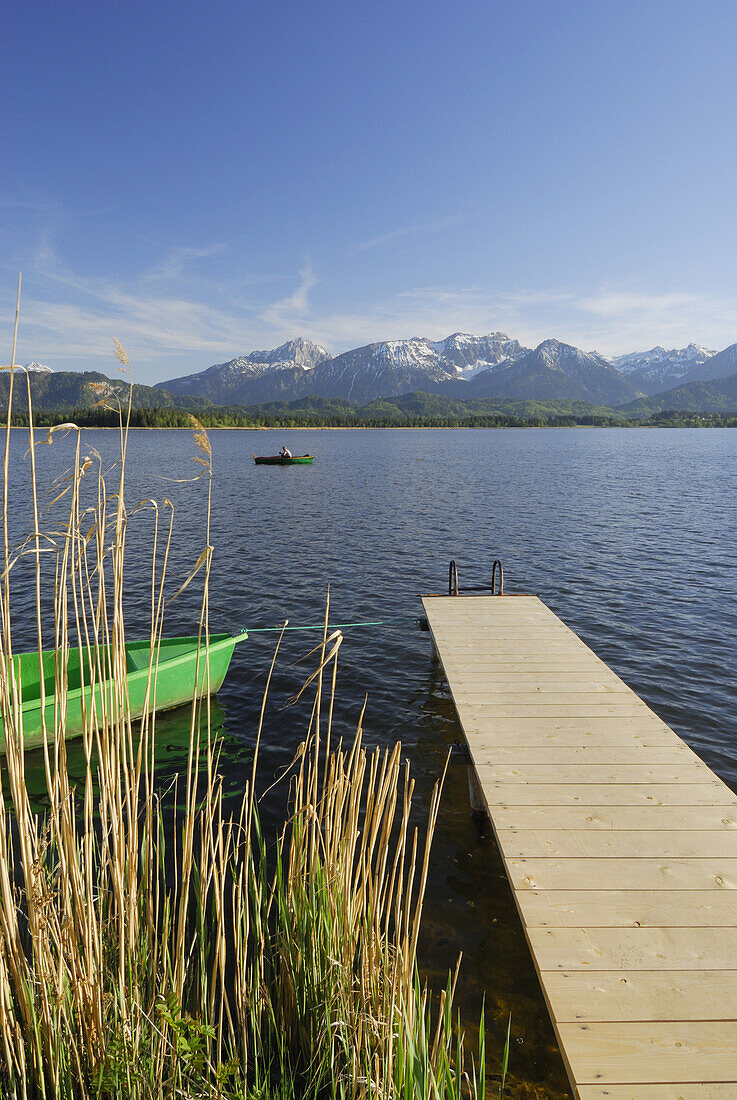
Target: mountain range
(661, 368)
(461, 365)
(553, 371)
(301, 368)
(465, 367)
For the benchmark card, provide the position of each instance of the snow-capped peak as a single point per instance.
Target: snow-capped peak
(299, 352)
(636, 360)
(459, 355)
(465, 355)
(294, 353)
(39, 367)
(660, 366)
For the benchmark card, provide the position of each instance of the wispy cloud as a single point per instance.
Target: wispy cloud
(292, 310)
(612, 321)
(177, 316)
(72, 318)
(187, 309)
(622, 319)
(419, 230)
(422, 311)
(163, 317)
(177, 260)
(617, 303)
(149, 327)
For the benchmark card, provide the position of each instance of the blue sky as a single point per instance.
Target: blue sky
(203, 179)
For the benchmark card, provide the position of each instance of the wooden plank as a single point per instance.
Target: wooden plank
(640, 818)
(710, 793)
(477, 626)
(623, 726)
(511, 701)
(592, 949)
(642, 994)
(480, 666)
(509, 607)
(640, 1053)
(473, 629)
(570, 731)
(515, 649)
(524, 607)
(542, 709)
(572, 747)
(628, 774)
(466, 611)
(477, 629)
(490, 684)
(487, 751)
(682, 1090)
(623, 874)
(522, 604)
(476, 637)
(469, 606)
(507, 735)
(620, 843)
(512, 646)
(525, 663)
(628, 908)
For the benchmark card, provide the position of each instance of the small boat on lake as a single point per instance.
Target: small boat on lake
(280, 460)
(173, 684)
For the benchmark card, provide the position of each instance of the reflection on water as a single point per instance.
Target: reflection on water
(628, 535)
(171, 752)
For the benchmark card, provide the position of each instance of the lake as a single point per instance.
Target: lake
(628, 534)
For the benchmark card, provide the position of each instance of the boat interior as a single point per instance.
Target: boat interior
(78, 664)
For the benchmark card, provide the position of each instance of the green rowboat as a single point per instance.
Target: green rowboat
(277, 460)
(174, 684)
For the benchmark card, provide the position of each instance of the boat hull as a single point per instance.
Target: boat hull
(276, 460)
(170, 683)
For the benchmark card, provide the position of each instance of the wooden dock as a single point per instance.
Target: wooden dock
(620, 845)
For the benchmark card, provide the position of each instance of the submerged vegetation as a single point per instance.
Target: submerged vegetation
(152, 943)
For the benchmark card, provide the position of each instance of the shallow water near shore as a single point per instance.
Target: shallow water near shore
(627, 534)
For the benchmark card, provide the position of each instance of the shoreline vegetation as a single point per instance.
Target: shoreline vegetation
(153, 943)
(398, 413)
(76, 397)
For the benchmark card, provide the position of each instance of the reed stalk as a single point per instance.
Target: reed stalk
(154, 947)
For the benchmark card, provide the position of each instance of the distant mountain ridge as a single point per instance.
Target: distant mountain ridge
(224, 383)
(718, 366)
(460, 367)
(300, 353)
(660, 368)
(468, 355)
(494, 365)
(555, 371)
(388, 367)
(40, 368)
(702, 395)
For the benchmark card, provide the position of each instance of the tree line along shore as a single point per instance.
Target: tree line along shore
(352, 417)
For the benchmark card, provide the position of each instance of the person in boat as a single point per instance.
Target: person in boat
(285, 453)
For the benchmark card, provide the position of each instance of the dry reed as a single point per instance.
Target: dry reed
(158, 951)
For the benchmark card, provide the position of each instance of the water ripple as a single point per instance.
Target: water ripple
(628, 535)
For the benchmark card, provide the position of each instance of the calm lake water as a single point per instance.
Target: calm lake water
(628, 534)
